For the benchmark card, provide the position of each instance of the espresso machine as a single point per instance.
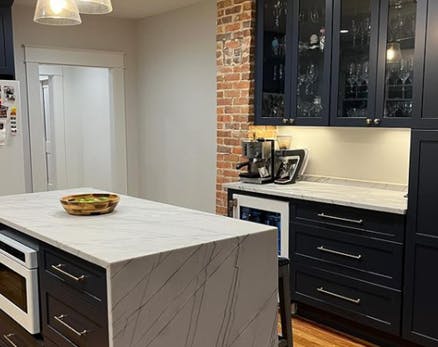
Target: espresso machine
(260, 166)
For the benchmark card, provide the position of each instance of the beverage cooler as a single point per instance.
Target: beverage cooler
(264, 211)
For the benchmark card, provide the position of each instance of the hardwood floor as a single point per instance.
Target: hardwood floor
(309, 335)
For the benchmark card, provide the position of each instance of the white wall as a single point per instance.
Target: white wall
(96, 32)
(380, 155)
(177, 91)
(87, 127)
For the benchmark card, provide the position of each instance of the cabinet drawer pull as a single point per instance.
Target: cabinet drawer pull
(339, 296)
(60, 319)
(327, 216)
(332, 251)
(59, 269)
(8, 339)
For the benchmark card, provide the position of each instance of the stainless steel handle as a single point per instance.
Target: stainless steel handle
(59, 269)
(285, 120)
(332, 251)
(377, 121)
(7, 337)
(327, 216)
(369, 121)
(60, 320)
(339, 296)
(292, 121)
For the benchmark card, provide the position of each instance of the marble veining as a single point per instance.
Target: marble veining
(365, 197)
(222, 294)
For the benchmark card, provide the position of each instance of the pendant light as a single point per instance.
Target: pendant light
(94, 6)
(57, 12)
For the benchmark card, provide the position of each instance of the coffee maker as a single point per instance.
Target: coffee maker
(261, 161)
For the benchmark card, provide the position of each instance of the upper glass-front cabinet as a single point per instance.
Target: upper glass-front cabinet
(311, 74)
(354, 61)
(273, 70)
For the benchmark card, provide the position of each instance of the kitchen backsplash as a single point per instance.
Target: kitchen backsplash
(377, 155)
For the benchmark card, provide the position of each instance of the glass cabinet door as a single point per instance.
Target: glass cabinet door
(395, 91)
(312, 82)
(272, 101)
(355, 61)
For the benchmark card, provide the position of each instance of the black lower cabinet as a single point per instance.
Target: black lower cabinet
(12, 334)
(420, 318)
(73, 301)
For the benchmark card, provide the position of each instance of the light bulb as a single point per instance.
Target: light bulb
(57, 6)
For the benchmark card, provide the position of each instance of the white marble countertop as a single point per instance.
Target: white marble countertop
(365, 197)
(136, 229)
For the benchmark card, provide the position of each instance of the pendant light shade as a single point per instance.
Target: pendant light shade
(57, 12)
(94, 6)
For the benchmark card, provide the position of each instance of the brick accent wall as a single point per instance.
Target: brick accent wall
(235, 57)
(235, 87)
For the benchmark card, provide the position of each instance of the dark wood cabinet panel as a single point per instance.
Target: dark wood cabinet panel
(73, 300)
(11, 333)
(7, 67)
(421, 284)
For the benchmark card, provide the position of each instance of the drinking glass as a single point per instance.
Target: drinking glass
(277, 12)
(354, 31)
(350, 77)
(404, 72)
(314, 15)
(312, 77)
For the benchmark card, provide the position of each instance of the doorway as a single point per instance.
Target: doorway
(76, 107)
(76, 119)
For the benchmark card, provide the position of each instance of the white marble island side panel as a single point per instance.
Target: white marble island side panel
(217, 294)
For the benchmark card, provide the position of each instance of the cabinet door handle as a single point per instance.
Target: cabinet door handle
(339, 296)
(377, 121)
(369, 121)
(285, 121)
(60, 319)
(332, 251)
(8, 339)
(59, 269)
(327, 216)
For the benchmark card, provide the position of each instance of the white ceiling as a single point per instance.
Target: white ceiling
(136, 8)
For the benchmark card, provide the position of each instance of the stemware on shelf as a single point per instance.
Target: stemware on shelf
(406, 66)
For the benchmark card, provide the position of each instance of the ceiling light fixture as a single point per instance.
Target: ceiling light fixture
(57, 12)
(95, 6)
(66, 12)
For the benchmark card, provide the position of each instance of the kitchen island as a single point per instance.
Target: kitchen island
(174, 277)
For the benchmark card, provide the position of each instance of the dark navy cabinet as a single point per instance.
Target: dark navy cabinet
(420, 322)
(293, 59)
(7, 69)
(364, 63)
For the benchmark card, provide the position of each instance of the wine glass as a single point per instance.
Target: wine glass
(354, 31)
(312, 77)
(404, 72)
(350, 77)
(314, 15)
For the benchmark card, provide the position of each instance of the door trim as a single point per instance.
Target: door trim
(115, 62)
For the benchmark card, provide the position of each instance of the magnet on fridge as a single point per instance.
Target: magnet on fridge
(3, 133)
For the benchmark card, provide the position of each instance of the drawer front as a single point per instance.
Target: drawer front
(50, 343)
(75, 272)
(12, 334)
(369, 223)
(362, 302)
(361, 257)
(68, 326)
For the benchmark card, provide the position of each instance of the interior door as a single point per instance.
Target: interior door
(49, 135)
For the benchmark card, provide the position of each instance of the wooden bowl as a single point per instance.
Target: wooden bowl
(90, 204)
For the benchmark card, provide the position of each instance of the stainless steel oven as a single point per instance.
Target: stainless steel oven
(19, 282)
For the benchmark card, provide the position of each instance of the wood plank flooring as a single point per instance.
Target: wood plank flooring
(309, 335)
